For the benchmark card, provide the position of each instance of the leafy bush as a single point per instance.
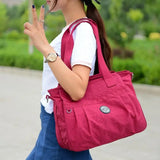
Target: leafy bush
(135, 15)
(2, 44)
(34, 61)
(38, 4)
(14, 34)
(145, 62)
(143, 72)
(3, 18)
(115, 32)
(18, 55)
(149, 27)
(131, 65)
(54, 25)
(152, 74)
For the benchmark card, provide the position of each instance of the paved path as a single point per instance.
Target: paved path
(20, 124)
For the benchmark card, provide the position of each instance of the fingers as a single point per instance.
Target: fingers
(34, 14)
(28, 26)
(37, 26)
(29, 29)
(27, 32)
(41, 16)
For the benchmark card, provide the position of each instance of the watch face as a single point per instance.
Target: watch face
(52, 57)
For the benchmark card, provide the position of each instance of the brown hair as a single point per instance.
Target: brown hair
(93, 14)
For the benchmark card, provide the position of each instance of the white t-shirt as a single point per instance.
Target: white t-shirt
(84, 53)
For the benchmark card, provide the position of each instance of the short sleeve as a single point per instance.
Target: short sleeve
(84, 50)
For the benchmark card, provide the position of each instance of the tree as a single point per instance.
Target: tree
(105, 9)
(122, 17)
(3, 18)
(152, 9)
(54, 24)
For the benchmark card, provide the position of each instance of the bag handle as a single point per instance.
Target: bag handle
(67, 47)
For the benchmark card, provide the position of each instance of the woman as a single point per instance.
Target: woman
(74, 81)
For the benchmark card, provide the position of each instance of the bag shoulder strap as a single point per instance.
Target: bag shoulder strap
(68, 43)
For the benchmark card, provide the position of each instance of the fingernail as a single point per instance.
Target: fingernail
(42, 6)
(33, 6)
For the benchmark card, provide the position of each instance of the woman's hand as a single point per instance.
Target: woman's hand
(36, 31)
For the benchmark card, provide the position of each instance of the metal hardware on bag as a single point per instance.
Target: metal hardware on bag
(105, 109)
(47, 97)
(69, 110)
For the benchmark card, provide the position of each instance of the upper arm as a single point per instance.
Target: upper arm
(84, 49)
(83, 55)
(83, 73)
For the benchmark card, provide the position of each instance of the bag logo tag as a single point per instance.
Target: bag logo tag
(105, 109)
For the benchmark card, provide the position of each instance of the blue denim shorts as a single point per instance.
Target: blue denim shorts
(47, 147)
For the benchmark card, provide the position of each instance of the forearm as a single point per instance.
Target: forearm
(70, 81)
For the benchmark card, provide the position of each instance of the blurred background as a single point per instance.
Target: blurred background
(133, 30)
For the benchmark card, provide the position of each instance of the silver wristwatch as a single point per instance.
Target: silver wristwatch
(51, 57)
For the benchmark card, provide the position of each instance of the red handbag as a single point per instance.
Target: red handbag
(109, 110)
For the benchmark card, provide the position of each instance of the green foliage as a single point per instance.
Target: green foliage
(123, 19)
(149, 27)
(105, 9)
(14, 34)
(33, 61)
(15, 24)
(120, 23)
(52, 21)
(2, 44)
(17, 16)
(115, 32)
(115, 9)
(131, 65)
(134, 4)
(15, 53)
(39, 3)
(130, 16)
(3, 18)
(145, 64)
(135, 15)
(152, 9)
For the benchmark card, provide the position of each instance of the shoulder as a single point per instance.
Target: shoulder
(84, 27)
(84, 32)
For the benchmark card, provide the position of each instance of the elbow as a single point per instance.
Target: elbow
(78, 96)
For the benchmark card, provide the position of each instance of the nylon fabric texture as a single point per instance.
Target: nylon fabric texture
(109, 110)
